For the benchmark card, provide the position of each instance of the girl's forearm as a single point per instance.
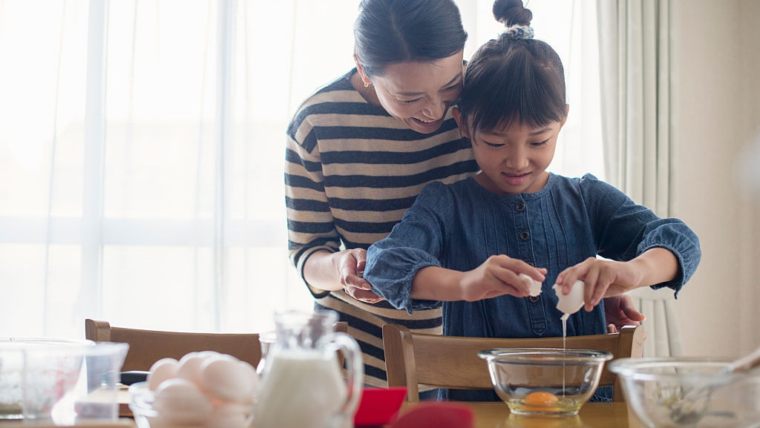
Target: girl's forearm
(658, 264)
(436, 283)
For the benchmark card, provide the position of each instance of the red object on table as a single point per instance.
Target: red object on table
(437, 415)
(378, 406)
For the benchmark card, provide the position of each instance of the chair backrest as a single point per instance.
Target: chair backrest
(453, 362)
(148, 346)
(663, 334)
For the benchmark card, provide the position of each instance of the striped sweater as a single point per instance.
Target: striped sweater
(351, 172)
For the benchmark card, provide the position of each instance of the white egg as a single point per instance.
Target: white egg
(230, 416)
(190, 366)
(181, 402)
(229, 379)
(206, 354)
(161, 370)
(535, 286)
(570, 303)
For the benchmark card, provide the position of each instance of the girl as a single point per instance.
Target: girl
(465, 244)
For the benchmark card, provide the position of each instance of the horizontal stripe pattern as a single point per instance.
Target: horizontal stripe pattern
(366, 328)
(351, 172)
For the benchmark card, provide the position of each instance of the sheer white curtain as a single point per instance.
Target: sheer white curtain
(141, 152)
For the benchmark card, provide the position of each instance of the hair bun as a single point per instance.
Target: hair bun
(512, 12)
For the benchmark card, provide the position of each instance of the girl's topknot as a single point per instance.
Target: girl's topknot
(513, 78)
(512, 12)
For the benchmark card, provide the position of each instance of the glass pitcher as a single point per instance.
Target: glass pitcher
(301, 384)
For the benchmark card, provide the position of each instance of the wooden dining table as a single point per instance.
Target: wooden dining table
(497, 415)
(591, 415)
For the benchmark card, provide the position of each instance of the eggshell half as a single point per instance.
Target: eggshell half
(573, 302)
(535, 286)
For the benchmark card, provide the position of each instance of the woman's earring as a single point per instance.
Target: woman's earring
(366, 85)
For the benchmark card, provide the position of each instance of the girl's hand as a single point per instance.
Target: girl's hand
(350, 264)
(603, 278)
(498, 276)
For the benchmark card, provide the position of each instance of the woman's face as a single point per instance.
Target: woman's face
(514, 160)
(420, 93)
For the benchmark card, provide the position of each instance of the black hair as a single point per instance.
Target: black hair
(513, 80)
(392, 31)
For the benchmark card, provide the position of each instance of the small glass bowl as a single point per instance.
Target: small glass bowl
(545, 381)
(36, 374)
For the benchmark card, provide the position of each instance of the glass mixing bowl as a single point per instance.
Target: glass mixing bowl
(545, 381)
(692, 392)
(63, 380)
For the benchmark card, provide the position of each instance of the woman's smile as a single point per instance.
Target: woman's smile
(428, 123)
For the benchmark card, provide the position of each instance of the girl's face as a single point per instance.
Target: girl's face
(419, 93)
(513, 160)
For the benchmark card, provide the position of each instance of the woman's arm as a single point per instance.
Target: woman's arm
(312, 237)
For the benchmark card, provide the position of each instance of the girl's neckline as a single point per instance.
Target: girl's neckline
(517, 196)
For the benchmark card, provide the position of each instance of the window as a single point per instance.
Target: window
(141, 152)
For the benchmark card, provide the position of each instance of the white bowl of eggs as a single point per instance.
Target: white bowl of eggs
(202, 389)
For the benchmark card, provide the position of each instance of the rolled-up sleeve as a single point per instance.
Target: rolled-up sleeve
(672, 234)
(391, 268)
(415, 243)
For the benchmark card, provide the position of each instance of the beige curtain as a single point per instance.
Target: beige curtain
(635, 77)
(637, 116)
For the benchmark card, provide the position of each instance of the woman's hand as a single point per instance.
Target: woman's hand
(498, 276)
(329, 271)
(350, 265)
(603, 278)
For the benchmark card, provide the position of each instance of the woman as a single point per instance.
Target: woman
(361, 149)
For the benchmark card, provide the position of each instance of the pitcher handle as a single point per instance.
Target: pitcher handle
(354, 368)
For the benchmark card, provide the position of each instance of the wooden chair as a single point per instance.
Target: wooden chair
(453, 362)
(148, 346)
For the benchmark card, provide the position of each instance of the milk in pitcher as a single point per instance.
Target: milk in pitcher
(302, 385)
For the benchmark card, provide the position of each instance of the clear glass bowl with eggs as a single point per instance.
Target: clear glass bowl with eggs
(545, 381)
(178, 405)
(693, 392)
(203, 389)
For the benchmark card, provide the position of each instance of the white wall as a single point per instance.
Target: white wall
(749, 11)
(716, 101)
(750, 42)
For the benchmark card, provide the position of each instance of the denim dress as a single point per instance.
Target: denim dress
(459, 226)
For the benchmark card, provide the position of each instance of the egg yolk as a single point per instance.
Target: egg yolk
(540, 399)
